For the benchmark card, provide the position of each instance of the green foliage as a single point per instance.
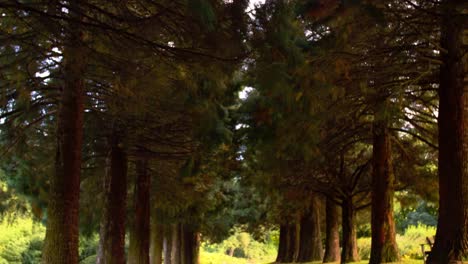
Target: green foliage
(364, 247)
(33, 253)
(21, 241)
(409, 243)
(203, 10)
(421, 214)
(89, 260)
(207, 257)
(242, 245)
(88, 246)
(364, 230)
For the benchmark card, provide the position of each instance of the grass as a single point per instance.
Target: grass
(217, 258)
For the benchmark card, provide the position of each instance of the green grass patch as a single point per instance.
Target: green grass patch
(220, 258)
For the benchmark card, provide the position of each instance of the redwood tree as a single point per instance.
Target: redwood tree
(384, 247)
(310, 236)
(451, 241)
(112, 234)
(157, 238)
(332, 240)
(61, 241)
(138, 252)
(349, 252)
(283, 236)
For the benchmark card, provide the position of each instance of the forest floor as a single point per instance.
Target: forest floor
(216, 258)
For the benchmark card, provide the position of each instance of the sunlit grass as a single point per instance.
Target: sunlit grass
(404, 261)
(217, 258)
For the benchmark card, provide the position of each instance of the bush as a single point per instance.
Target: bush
(423, 214)
(21, 241)
(364, 247)
(410, 243)
(89, 260)
(243, 246)
(88, 246)
(33, 253)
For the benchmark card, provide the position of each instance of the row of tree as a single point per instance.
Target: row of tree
(123, 118)
(111, 113)
(352, 101)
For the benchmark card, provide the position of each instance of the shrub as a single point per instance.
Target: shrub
(88, 246)
(364, 247)
(21, 241)
(410, 243)
(89, 260)
(242, 245)
(33, 253)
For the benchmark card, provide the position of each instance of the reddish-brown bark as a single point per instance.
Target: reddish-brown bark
(384, 247)
(451, 241)
(61, 241)
(332, 241)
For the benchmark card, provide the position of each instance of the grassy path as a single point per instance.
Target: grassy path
(215, 258)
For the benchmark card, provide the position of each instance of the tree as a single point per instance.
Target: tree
(112, 233)
(451, 241)
(332, 238)
(61, 242)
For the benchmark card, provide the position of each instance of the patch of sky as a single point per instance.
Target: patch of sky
(252, 4)
(245, 92)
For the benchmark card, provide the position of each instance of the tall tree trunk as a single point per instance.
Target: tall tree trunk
(310, 246)
(451, 240)
(191, 245)
(167, 246)
(176, 244)
(292, 243)
(283, 237)
(384, 247)
(332, 241)
(138, 251)
(156, 240)
(112, 240)
(350, 251)
(61, 240)
(196, 249)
